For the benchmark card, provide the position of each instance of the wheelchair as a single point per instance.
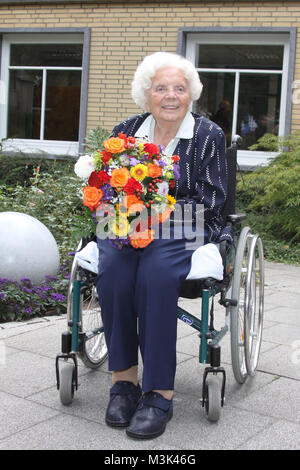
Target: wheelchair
(241, 293)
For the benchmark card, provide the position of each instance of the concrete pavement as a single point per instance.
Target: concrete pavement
(264, 413)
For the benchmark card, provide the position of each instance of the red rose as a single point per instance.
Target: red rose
(132, 186)
(130, 142)
(103, 176)
(98, 179)
(106, 156)
(175, 158)
(94, 180)
(124, 137)
(151, 149)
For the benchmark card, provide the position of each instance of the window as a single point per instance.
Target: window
(43, 76)
(245, 80)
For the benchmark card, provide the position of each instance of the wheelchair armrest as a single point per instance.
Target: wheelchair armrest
(192, 288)
(236, 218)
(223, 251)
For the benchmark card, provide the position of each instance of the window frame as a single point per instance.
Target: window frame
(189, 38)
(37, 36)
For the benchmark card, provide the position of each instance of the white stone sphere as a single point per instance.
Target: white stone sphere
(27, 248)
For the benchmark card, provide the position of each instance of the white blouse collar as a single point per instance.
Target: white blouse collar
(185, 131)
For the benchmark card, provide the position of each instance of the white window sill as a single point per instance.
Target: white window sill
(248, 160)
(47, 148)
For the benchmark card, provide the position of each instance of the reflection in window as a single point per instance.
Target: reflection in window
(241, 89)
(62, 105)
(259, 105)
(44, 91)
(46, 55)
(216, 102)
(239, 56)
(24, 105)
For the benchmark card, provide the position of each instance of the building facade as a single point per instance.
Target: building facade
(67, 67)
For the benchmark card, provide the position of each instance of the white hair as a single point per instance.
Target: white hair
(149, 66)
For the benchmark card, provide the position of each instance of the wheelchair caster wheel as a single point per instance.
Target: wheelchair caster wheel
(67, 383)
(212, 398)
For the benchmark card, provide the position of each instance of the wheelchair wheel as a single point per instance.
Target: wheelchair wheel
(212, 399)
(67, 383)
(238, 292)
(93, 351)
(254, 305)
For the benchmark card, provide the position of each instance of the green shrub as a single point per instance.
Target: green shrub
(19, 170)
(273, 191)
(95, 138)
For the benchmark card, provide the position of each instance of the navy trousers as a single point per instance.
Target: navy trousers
(138, 291)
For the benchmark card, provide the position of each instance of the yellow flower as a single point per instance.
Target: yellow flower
(170, 200)
(139, 171)
(120, 226)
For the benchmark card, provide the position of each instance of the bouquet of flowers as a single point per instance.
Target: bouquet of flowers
(127, 191)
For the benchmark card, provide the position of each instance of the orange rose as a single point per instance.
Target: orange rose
(114, 145)
(142, 239)
(154, 170)
(131, 199)
(133, 204)
(163, 216)
(92, 197)
(119, 177)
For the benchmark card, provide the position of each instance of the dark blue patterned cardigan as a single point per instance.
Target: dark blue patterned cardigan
(203, 171)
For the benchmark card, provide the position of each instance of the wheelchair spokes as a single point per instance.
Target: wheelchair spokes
(91, 347)
(246, 316)
(254, 305)
(238, 291)
(94, 349)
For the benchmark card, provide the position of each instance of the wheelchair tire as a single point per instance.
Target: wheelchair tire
(254, 305)
(212, 399)
(237, 315)
(93, 352)
(67, 383)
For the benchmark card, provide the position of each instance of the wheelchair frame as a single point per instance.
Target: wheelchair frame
(241, 293)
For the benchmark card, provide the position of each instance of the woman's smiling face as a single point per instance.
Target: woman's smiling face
(168, 99)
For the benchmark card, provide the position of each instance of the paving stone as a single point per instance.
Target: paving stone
(17, 414)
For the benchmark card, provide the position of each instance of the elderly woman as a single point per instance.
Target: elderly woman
(138, 288)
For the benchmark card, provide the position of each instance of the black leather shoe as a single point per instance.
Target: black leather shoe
(151, 416)
(124, 397)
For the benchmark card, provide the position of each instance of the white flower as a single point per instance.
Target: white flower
(162, 188)
(84, 166)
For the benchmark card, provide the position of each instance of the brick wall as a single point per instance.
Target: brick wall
(122, 33)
